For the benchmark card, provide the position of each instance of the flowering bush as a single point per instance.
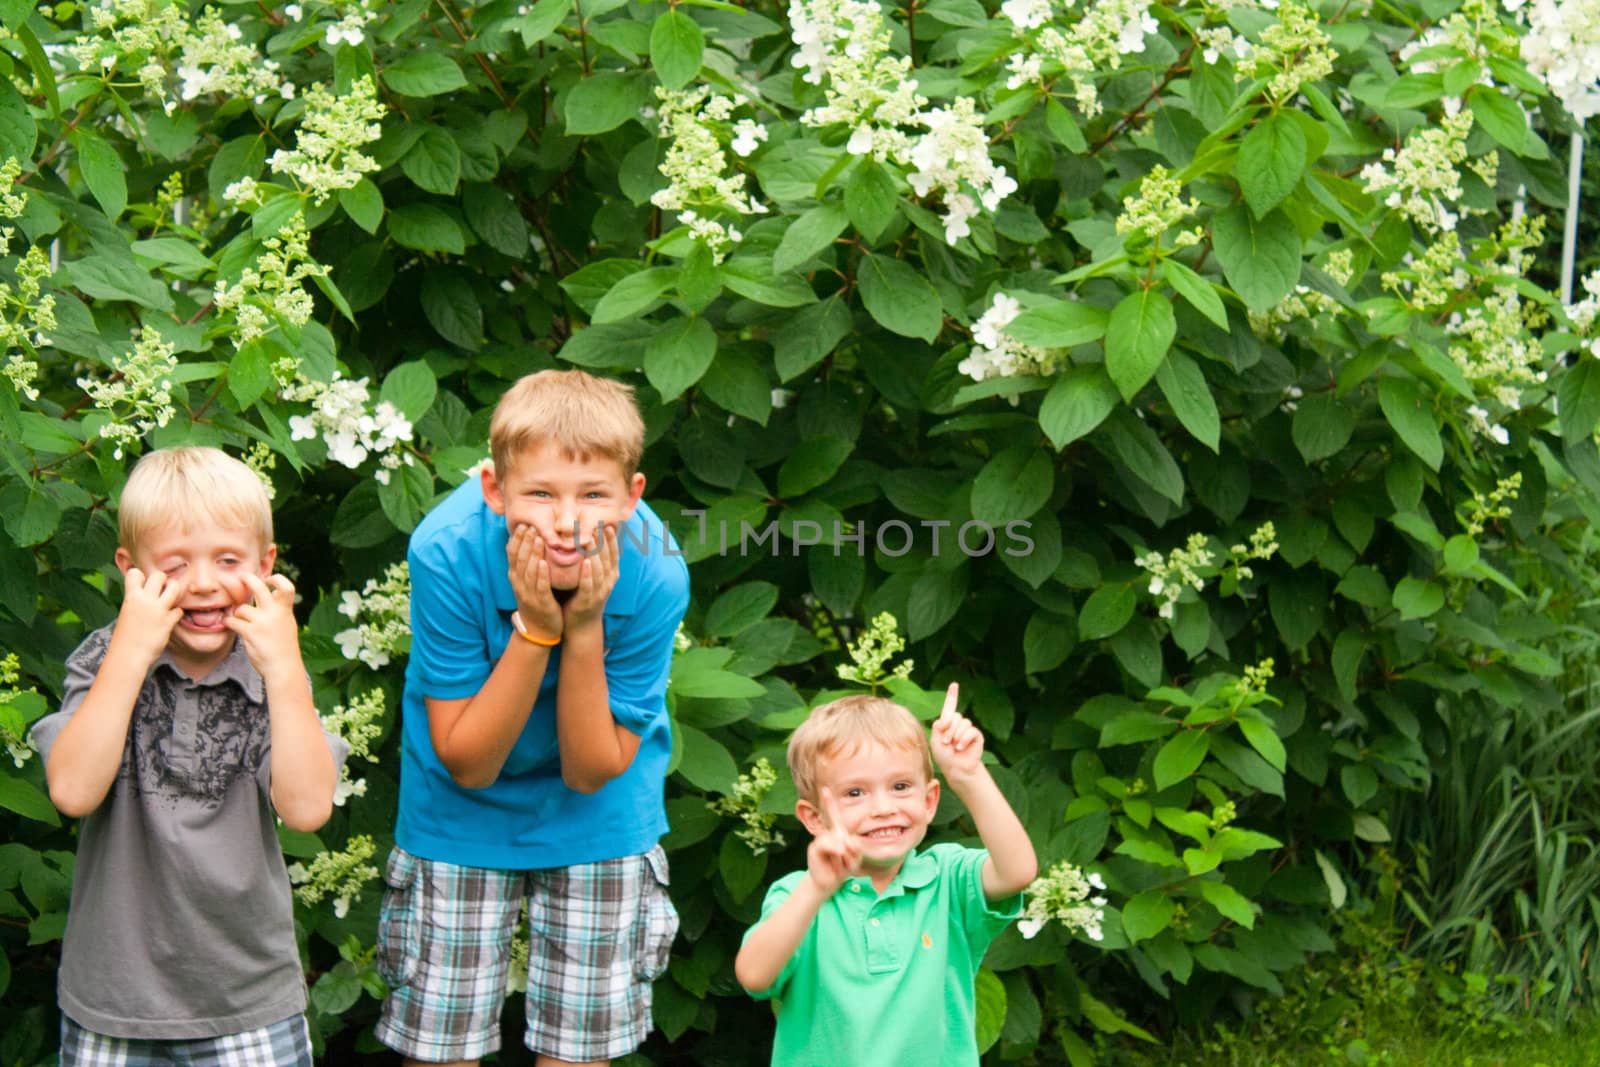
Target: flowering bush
(1183, 378)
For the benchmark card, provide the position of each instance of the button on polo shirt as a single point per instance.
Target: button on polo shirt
(873, 968)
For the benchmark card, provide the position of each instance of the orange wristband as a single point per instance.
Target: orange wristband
(522, 631)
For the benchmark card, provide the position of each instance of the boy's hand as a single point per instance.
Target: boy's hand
(597, 576)
(834, 854)
(267, 626)
(149, 612)
(957, 743)
(530, 582)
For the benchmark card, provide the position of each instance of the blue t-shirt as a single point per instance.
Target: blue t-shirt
(461, 606)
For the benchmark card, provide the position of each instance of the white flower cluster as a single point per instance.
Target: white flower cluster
(844, 45)
(25, 316)
(137, 397)
(1294, 52)
(353, 429)
(1305, 302)
(1494, 507)
(340, 875)
(1421, 178)
(350, 27)
(1433, 280)
(1478, 419)
(1492, 343)
(1158, 207)
(1068, 895)
(1263, 543)
(273, 286)
(327, 154)
(744, 804)
(1562, 46)
(143, 32)
(1474, 34)
(872, 649)
(1093, 44)
(695, 166)
(263, 460)
(1218, 41)
(1169, 574)
(358, 723)
(382, 613)
(13, 725)
(214, 59)
(996, 354)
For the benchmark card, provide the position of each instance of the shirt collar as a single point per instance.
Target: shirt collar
(917, 871)
(235, 667)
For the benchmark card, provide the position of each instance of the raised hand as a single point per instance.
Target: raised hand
(267, 624)
(957, 743)
(149, 612)
(834, 854)
(530, 582)
(597, 576)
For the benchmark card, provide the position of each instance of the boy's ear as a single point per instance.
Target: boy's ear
(809, 816)
(491, 490)
(933, 797)
(635, 491)
(124, 559)
(268, 558)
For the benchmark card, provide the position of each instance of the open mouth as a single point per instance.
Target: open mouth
(206, 620)
(885, 833)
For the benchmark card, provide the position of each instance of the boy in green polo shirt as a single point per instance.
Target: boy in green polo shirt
(871, 929)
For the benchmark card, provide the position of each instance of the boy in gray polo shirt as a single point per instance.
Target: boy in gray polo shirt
(185, 727)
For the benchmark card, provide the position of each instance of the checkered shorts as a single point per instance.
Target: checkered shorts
(282, 1044)
(598, 935)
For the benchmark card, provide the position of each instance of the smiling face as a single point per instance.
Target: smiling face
(564, 498)
(885, 801)
(211, 562)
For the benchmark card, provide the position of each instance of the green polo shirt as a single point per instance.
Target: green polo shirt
(861, 987)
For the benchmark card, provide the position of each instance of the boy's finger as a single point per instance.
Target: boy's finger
(281, 586)
(830, 807)
(951, 695)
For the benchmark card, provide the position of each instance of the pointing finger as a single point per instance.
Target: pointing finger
(830, 807)
(951, 695)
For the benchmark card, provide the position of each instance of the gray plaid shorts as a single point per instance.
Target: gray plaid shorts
(598, 935)
(282, 1044)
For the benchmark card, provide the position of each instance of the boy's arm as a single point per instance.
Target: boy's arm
(304, 774)
(86, 755)
(958, 749)
(473, 736)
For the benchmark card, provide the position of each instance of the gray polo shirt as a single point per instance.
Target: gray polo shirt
(181, 923)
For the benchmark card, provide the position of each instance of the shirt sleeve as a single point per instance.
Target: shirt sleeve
(777, 893)
(982, 919)
(82, 666)
(640, 658)
(448, 645)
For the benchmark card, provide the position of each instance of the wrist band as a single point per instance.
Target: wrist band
(522, 631)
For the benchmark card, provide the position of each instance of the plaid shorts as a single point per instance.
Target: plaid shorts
(282, 1044)
(598, 935)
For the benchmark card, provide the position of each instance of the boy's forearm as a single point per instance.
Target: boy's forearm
(766, 952)
(87, 754)
(475, 743)
(304, 775)
(594, 749)
(1012, 863)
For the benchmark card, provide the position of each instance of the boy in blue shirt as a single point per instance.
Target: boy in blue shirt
(857, 948)
(544, 601)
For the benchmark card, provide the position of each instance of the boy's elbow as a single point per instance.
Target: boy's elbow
(72, 803)
(587, 781)
(749, 975)
(306, 818)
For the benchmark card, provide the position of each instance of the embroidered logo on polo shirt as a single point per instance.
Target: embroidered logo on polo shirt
(927, 942)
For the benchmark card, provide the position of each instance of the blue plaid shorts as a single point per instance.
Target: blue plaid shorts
(598, 935)
(282, 1044)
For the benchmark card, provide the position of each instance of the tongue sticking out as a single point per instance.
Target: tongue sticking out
(205, 620)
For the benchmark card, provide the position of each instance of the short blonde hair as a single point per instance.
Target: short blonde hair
(842, 726)
(580, 414)
(189, 485)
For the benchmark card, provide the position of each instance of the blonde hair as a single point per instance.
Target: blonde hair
(842, 726)
(582, 415)
(189, 485)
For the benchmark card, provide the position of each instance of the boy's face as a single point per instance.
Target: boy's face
(565, 499)
(885, 801)
(210, 563)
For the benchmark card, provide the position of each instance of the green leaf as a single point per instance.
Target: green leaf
(405, 497)
(1140, 449)
(1500, 116)
(1265, 740)
(1330, 877)
(427, 72)
(364, 204)
(870, 198)
(1412, 418)
(1272, 159)
(1180, 757)
(426, 228)
(1047, 641)
(1107, 611)
(494, 216)
(740, 608)
(1147, 914)
(451, 307)
(1322, 427)
(1296, 604)
(24, 799)
(542, 21)
(1199, 292)
(1228, 901)
(678, 355)
(634, 294)
(741, 869)
(990, 1008)
(809, 234)
(1260, 258)
(752, 277)
(250, 373)
(677, 46)
(1138, 336)
(1579, 400)
(705, 763)
(103, 171)
(1348, 649)
(1415, 598)
(18, 131)
(434, 162)
(1460, 554)
(1013, 485)
(1078, 402)
(738, 382)
(1064, 128)
(1059, 324)
(604, 101)
(106, 276)
(813, 461)
(1360, 783)
(1134, 727)
(411, 387)
(807, 338)
(1184, 385)
(935, 598)
(900, 299)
